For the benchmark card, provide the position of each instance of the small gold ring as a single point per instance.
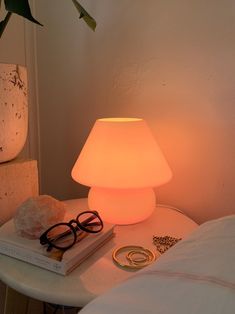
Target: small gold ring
(130, 256)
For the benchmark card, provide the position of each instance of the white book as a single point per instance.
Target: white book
(33, 252)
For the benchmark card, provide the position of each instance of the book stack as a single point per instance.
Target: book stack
(33, 252)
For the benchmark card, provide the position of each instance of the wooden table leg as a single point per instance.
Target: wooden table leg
(15, 302)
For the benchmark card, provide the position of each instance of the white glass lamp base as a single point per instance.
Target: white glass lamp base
(122, 206)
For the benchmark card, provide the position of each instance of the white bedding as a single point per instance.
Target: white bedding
(196, 276)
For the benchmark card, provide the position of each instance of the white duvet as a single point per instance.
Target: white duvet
(196, 276)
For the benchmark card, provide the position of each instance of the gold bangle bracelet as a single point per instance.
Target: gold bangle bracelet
(147, 256)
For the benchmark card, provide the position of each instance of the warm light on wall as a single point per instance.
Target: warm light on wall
(121, 162)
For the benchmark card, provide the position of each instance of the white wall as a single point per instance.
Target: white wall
(12, 43)
(170, 62)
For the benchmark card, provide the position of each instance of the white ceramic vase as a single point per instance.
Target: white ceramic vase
(13, 110)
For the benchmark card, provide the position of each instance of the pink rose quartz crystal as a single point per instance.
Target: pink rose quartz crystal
(37, 214)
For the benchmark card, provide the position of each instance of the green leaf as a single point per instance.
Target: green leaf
(4, 22)
(85, 15)
(20, 7)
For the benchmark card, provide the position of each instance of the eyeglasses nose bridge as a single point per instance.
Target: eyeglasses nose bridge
(73, 221)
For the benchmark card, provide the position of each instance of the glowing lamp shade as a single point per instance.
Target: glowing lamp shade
(121, 162)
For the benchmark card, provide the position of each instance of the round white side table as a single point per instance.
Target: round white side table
(98, 273)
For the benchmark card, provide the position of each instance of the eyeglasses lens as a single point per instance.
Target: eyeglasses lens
(90, 222)
(62, 236)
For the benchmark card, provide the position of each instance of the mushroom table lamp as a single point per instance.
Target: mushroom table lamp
(122, 163)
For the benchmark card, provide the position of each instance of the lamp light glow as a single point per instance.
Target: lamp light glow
(121, 162)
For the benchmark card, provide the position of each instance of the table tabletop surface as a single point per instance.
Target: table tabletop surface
(98, 273)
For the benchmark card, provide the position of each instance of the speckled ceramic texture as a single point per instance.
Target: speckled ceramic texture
(13, 110)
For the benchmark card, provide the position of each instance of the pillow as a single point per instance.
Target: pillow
(197, 275)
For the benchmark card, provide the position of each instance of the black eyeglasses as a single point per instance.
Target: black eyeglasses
(64, 235)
